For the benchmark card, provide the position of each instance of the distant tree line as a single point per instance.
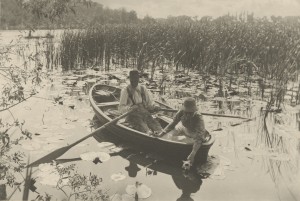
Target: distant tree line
(50, 14)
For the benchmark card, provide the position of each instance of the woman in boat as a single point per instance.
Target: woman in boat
(138, 98)
(191, 125)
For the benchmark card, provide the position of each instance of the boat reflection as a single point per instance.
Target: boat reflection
(187, 185)
(188, 182)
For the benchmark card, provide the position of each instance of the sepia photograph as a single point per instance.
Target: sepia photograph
(149, 100)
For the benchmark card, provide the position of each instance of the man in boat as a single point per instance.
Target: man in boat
(139, 98)
(191, 125)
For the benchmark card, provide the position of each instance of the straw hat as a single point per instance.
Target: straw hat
(189, 105)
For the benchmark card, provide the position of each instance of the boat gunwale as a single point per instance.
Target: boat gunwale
(94, 105)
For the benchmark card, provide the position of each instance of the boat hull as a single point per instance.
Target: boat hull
(170, 150)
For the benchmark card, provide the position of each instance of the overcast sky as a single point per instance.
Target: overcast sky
(164, 8)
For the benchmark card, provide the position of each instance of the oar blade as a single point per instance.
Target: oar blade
(59, 152)
(50, 157)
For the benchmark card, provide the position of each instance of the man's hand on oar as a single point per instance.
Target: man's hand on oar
(57, 153)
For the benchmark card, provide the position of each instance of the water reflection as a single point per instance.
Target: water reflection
(188, 184)
(132, 169)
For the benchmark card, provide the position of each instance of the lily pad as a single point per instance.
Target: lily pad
(118, 177)
(88, 156)
(115, 149)
(140, 189)
(91, 156)
(105, 144)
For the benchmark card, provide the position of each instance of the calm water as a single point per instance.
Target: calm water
(245, 163)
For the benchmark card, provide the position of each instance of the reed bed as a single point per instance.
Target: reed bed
(232, 46)
(223, 45)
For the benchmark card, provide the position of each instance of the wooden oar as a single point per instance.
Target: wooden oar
(207, 114)
(57, 153)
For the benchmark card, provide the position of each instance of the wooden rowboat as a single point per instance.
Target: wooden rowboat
(104, 101)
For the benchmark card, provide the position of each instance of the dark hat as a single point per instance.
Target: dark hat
(132, 169)
(189, 105)
(133, 72)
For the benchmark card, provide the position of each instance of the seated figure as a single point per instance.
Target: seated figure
(191, 125)
(138, 98)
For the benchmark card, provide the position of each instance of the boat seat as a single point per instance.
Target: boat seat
(103, 93)
(108, 104)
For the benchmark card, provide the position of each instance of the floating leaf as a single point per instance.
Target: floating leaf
(88, 156)
(105, 144)
(103, 156)
(140, 189)
(116, 149)
(118, 177)
(91, 156)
